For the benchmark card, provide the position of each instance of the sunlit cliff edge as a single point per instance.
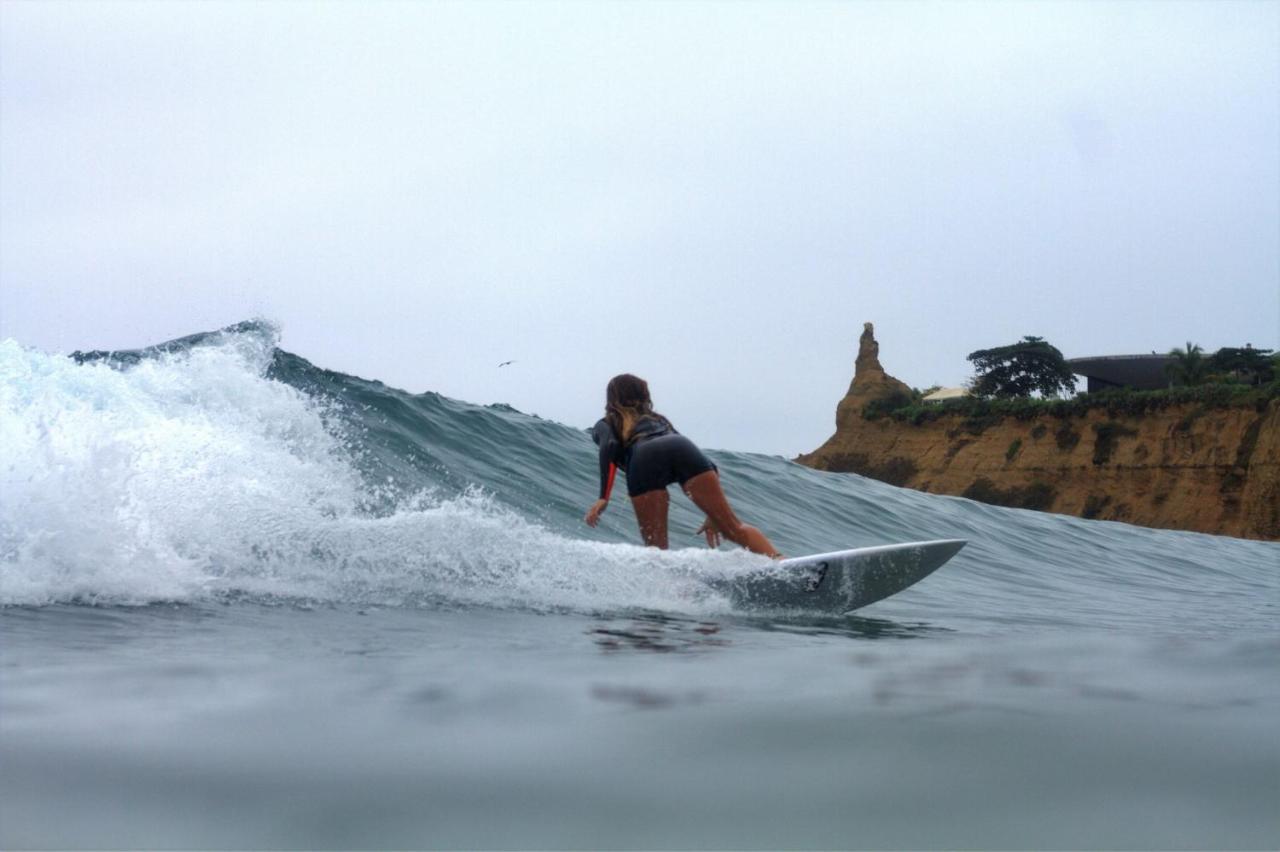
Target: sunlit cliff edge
(1188, 466)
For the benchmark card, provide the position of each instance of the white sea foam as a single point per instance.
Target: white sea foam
(192, 475)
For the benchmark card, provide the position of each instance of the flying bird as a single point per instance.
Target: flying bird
(505, 363)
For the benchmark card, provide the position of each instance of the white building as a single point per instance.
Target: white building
(942, 394)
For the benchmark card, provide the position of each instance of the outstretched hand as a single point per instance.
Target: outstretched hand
(711, 531)
(593, 514)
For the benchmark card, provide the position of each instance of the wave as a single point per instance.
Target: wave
(221, 467)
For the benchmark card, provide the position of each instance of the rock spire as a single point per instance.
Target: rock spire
(870, 381)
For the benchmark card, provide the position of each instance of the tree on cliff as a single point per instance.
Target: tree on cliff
(1020, 369)
(1249, 365)
(1187, 366)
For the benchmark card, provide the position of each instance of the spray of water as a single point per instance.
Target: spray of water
(192, 475)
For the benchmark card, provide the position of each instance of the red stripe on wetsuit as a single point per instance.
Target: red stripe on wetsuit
(608, 483)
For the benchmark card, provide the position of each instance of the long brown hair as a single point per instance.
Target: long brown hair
(626, 401)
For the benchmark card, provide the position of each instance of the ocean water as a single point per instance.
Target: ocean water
(248, 602)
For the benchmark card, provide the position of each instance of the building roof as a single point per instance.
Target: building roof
(946, 393)
(1138, 371)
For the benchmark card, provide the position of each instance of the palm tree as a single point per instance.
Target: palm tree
(1187, 366)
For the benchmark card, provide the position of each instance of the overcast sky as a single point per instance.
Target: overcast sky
(714, 196)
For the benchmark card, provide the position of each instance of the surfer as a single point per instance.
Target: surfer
(634, 437)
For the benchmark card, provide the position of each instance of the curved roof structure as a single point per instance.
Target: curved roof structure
(1141, 372)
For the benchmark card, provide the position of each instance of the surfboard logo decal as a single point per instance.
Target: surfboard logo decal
(815, 578)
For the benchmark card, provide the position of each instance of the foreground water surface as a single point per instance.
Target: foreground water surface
(248, 602)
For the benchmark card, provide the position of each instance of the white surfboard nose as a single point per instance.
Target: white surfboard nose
(945, 548)
(844, 580)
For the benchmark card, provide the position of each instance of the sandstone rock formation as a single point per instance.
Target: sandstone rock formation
(870, 381)
(1186, 467)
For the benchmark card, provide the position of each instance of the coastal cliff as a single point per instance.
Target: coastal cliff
(1185, 466)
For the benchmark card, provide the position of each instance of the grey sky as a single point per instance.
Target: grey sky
(712, 195)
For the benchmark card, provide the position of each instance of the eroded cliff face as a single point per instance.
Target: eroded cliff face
(1214, 471)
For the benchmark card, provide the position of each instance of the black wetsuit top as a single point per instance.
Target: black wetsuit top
(614, 454)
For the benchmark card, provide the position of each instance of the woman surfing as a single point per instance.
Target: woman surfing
(636, 439)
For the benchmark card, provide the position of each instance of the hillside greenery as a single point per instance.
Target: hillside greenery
(1120, 402)
(1190, 366)
(1008, 376)
(1032, 365)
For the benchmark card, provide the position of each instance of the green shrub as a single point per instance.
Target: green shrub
(1105, 443)
(877, 408)
(1036, 495)
(1119, 402)
(1094, 504)
(1066, 437)
(978, 424)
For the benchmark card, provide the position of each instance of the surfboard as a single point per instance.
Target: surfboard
(843, 580)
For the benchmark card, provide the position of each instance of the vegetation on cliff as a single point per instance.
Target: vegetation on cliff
(1032, 365)
(909, 408)
(1187, 366)
(1230, 364)
(1009, 375)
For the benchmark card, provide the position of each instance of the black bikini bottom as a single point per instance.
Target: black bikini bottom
(657, 462)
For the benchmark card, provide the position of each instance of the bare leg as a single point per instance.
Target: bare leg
(705, 491)
(651, 513)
